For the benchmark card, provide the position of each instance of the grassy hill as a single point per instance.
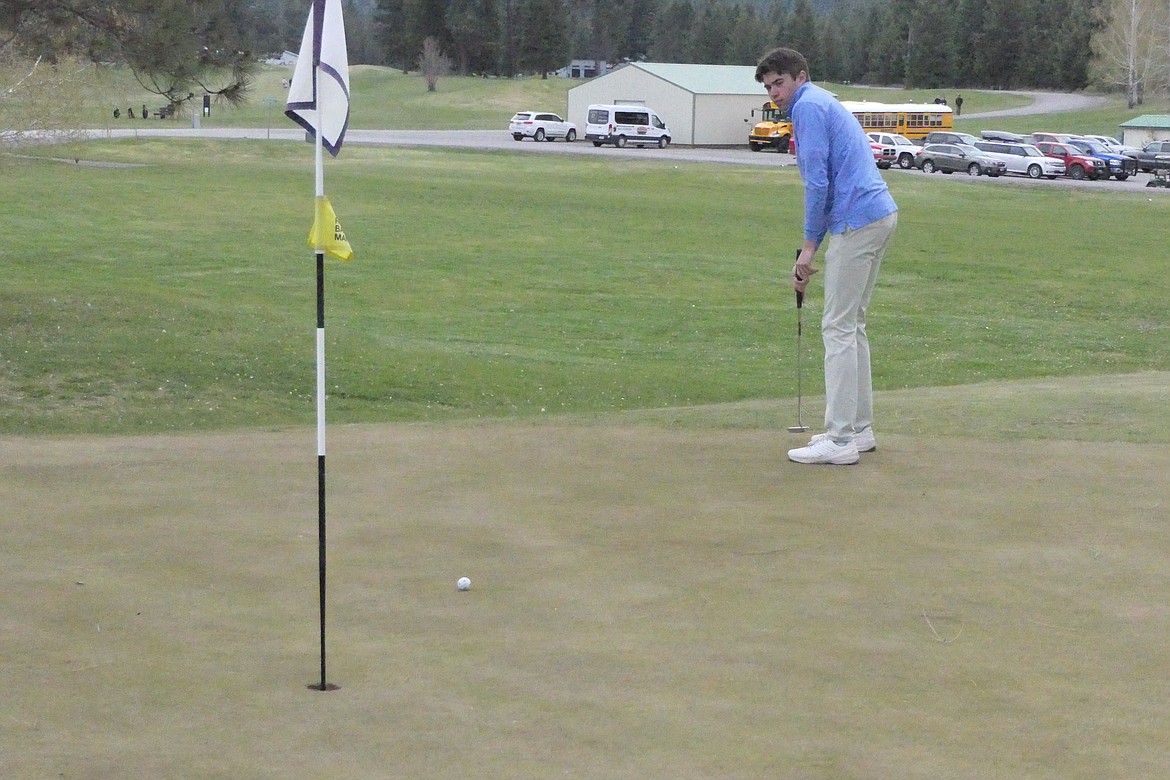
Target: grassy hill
(385, 98)
(166, 285)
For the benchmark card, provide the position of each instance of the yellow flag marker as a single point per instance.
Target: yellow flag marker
(327, 235)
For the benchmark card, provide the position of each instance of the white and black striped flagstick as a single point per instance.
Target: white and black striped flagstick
(321, 525)
(319, 102)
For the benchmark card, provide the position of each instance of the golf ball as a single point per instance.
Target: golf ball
(463, 584)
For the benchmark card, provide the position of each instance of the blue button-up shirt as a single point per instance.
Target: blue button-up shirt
(842, 186)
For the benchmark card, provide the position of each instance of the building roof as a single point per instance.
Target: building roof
(706, 79)
(1151, 121)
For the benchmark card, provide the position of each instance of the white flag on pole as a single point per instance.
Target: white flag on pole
(322, 94)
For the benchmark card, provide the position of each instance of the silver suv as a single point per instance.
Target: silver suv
(1023, 159)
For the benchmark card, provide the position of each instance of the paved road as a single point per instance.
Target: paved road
(465, 139)
(1042, 103)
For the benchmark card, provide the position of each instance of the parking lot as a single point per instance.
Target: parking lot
(501, 140)
(491, 139)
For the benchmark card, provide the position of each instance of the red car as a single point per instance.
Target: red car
(1077, 164)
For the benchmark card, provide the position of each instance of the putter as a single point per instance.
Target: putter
(800, 427)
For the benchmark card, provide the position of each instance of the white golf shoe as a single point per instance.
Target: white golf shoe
(824, 450)
(865, 440)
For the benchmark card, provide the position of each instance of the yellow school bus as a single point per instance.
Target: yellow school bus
(913, 120)
(773, 131)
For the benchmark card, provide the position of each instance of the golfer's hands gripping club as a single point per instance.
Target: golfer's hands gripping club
(803, 270)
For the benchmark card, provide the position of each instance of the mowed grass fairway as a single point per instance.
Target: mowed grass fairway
(569, 380)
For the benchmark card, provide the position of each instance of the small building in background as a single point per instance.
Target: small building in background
(704, 105)
(584, 69)
(1140, 130)
(284, 58)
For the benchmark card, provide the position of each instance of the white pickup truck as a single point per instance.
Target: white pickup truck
(904, 148)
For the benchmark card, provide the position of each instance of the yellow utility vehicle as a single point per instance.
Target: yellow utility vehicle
(773, 131)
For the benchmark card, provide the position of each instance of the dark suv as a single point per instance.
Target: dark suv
(943, 137)
(1145, 158)
(949, 158)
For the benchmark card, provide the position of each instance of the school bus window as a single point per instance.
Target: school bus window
(912, 121)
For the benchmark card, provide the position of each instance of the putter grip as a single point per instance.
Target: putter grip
(799, 293)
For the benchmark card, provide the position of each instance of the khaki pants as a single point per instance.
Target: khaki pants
(852, 261)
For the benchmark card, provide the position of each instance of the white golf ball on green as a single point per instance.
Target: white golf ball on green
(464, 583)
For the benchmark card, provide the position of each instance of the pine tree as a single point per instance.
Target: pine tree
(544, 35)
(670, 39)
(929, 63)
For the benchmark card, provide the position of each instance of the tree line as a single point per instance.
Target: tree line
(916, 43)
(180, 47)
(989, 44)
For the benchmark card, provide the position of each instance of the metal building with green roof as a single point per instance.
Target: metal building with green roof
(1140, 130)
(703, 105)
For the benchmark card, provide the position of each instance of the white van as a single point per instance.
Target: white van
(619, 125)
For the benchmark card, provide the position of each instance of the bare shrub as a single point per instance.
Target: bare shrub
(433, 63)
(41, 101)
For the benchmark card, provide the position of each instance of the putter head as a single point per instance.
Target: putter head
(798, 429)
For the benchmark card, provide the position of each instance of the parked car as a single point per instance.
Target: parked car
(1114, 144)
(946, 137)
(904, 148)
(949, 158)
(541, 127)
(1119, 166)
(1108, 140)
(1023, 159)
(1002, 135)
(622, 124)
(1057, 138)
(1161, 177)
(883, 155)
(1145, 156)
(1078, 165)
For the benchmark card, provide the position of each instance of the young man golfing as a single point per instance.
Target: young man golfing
(845, 198)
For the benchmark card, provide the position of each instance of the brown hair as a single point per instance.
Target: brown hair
(780, 61)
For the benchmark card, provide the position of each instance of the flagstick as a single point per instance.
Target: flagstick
(320, 86)
(320, 168)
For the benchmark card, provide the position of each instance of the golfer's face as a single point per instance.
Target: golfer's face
(781, 87)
